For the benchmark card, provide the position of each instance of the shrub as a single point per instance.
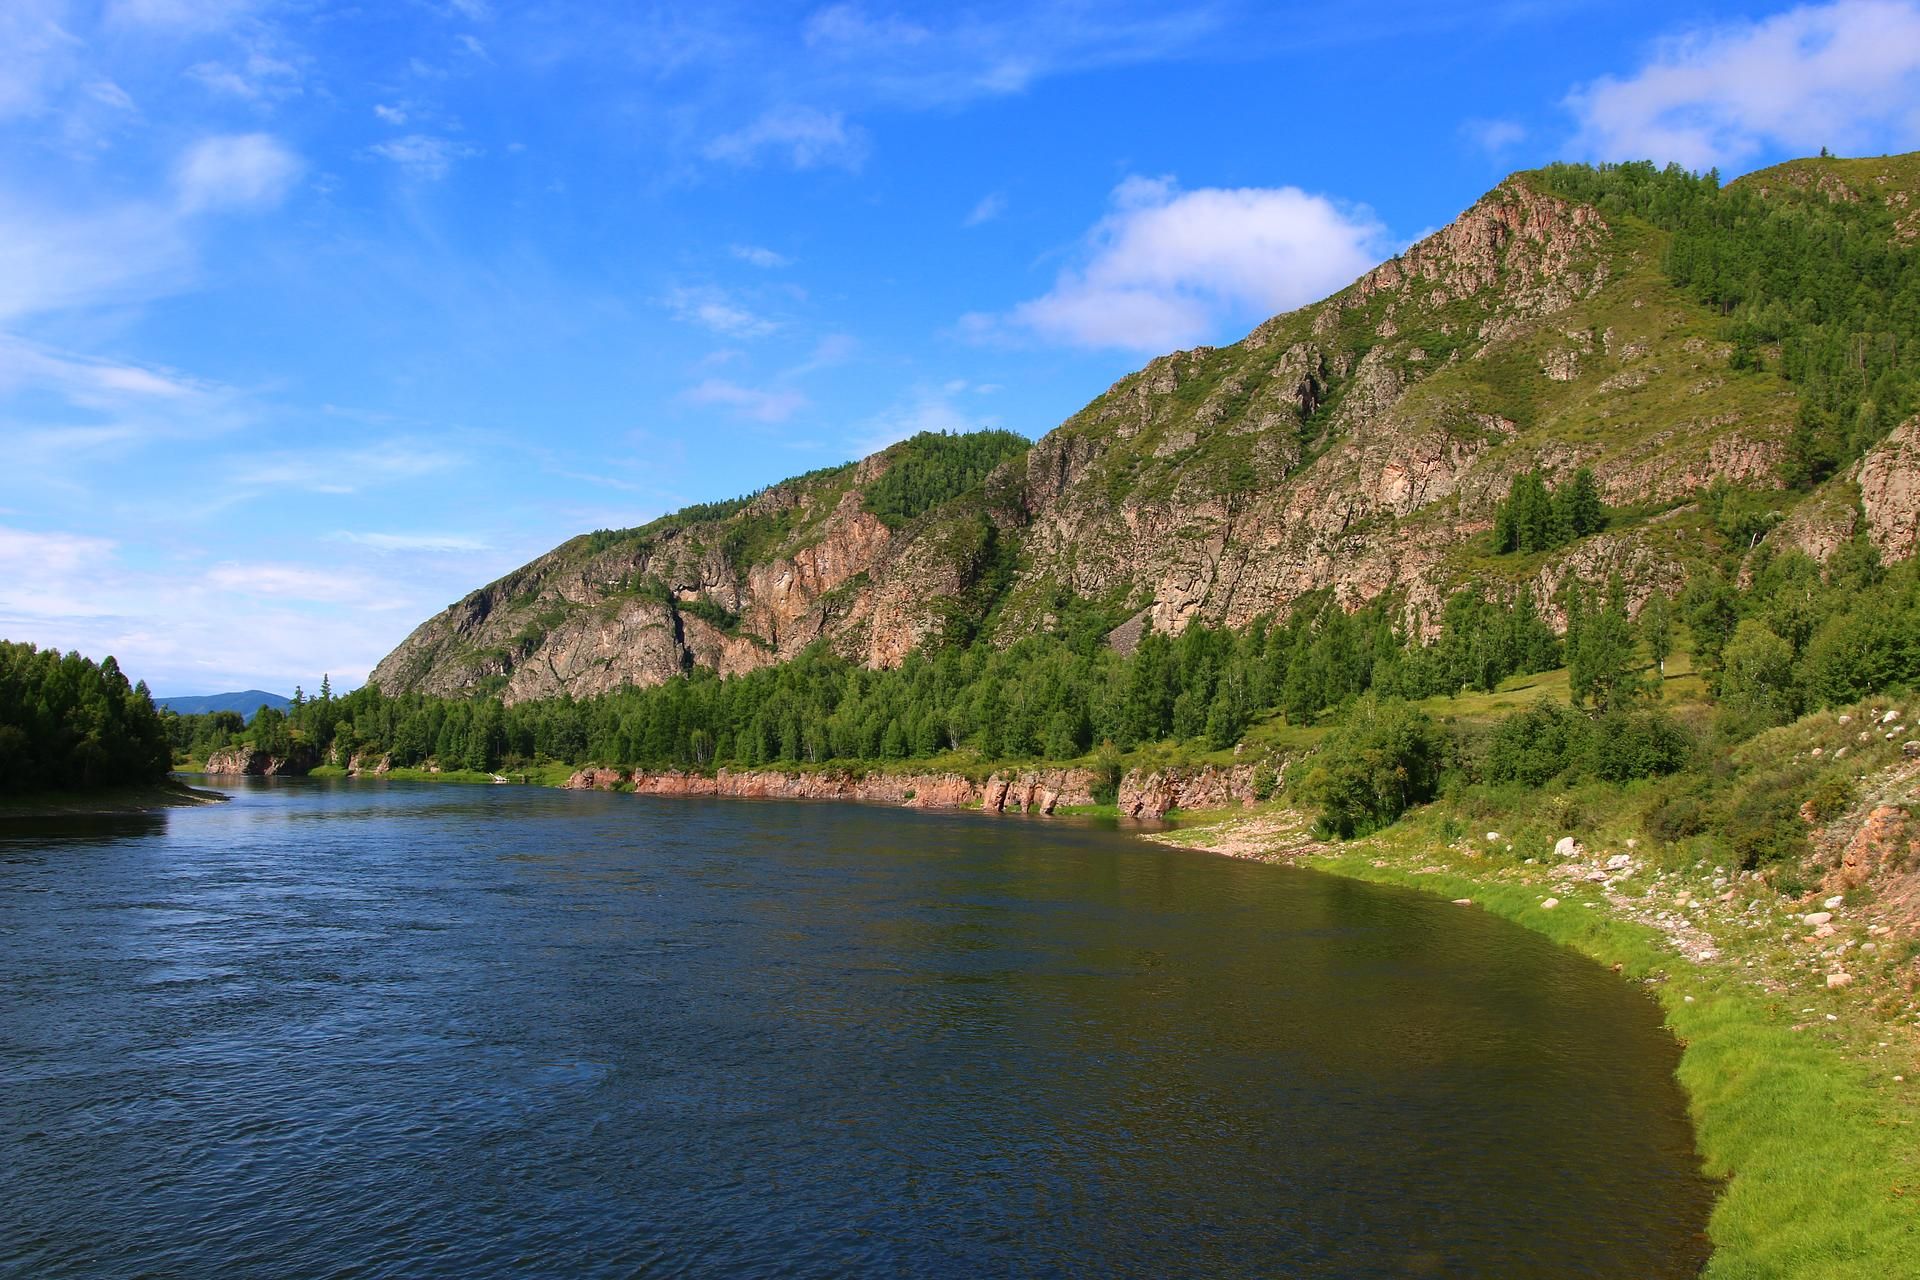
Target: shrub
(1385, 757)
(1536, 745)
(1107, 771)
(1625, 745)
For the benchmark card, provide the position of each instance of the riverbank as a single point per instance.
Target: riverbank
(1805, 1092)
(108, 800)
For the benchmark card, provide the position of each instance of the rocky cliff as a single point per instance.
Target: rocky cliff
(1146, 795)
(1360, 444)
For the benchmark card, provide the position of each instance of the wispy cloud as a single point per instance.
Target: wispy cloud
(752, 403)
(803, 137)
(715, 310)
(988, 208)
(1494, 136)
(438, 542)
(423, 156)
(756, 256)
(340, 471)
(1845, 75)
(1166, 267)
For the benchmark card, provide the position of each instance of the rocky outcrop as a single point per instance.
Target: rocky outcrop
(247, 762)
(1889, 480)
(1035, 791)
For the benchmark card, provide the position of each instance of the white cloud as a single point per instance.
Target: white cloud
(423, 156)
(293, 582)
(394, 115)
(747, 402)
(1167, 268)
(713, 309)
(804, 137)
(257, 77)
(989, 208)
(1845, 75)
(237, 171)
(756, 256)
(234, 625)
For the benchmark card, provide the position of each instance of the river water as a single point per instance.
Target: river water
(356, 1029)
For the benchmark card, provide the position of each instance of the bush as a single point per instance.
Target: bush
(1384, 758)
(1638, 744)
(1107, 771)
(1536, 745)
(1762, 822)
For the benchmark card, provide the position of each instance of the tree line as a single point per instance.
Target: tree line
(67, 722)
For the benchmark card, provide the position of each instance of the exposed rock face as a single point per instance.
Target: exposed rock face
(1360, 444)
(1030, 791)
(260, 764)
(1889, 480)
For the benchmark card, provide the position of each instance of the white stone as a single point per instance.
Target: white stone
(1550, 903)
(1463, 902)
(1816, 918)
(1567, 847)
(1890, 717)
(1845, 719)
(1833, 903)
(1493, 837)
(1838, 980)
(1618, 862)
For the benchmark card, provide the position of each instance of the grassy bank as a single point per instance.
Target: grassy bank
(1803, 1097)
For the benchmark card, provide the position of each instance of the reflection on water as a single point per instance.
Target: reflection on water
(366, 1029)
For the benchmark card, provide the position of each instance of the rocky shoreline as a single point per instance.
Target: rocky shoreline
(1036, 791)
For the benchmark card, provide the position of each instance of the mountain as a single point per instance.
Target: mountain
(1725, 362)
(245, 702)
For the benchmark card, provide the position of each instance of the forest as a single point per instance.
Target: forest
(67, 723)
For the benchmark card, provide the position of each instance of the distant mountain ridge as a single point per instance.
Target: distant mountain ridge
(1361, 445)
(246, 702)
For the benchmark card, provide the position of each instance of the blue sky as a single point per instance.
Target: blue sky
(315, 315)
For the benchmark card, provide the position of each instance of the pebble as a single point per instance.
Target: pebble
(1890, 717)
(1838, 980)
(1493, 837)
(1833, 903)
(1550, 903)
(1813, 918)
(1688, 999)
(1463, 902)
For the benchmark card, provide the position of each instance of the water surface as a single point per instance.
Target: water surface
(369, 1030)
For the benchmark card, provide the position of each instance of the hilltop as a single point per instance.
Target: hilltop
(1724, 361)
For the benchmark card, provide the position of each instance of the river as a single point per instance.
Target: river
(356, 1029)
